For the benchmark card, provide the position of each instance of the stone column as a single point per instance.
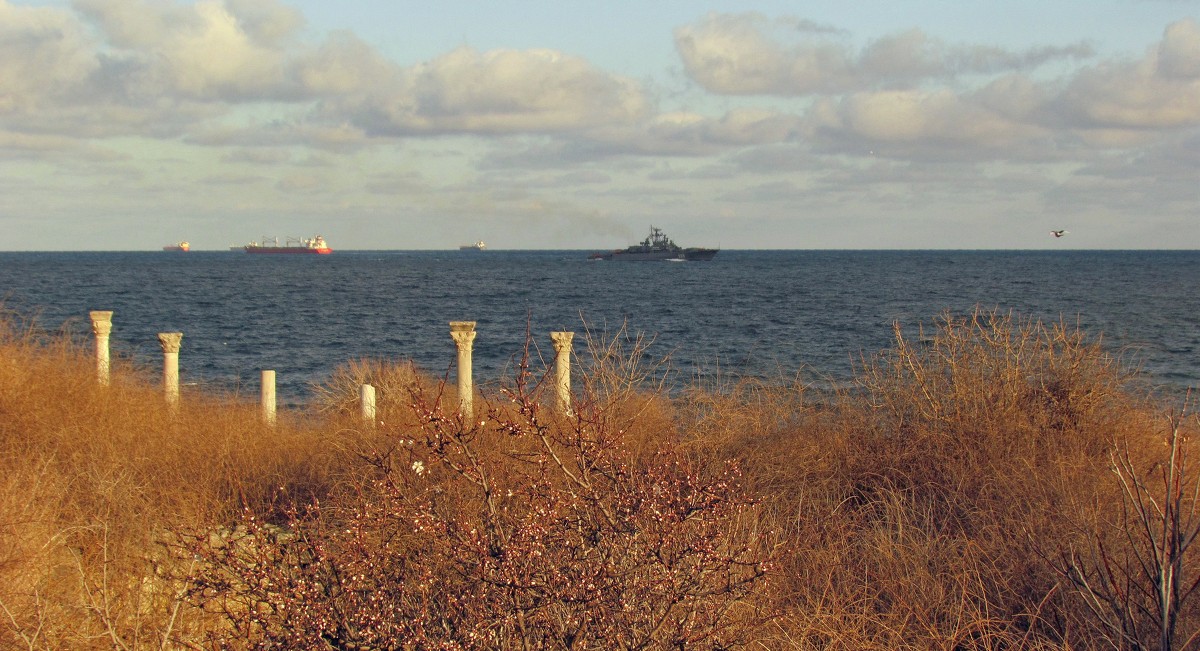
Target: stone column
(170, 345)
(267, 392)
(463, 333)
(562, 369)
(366, 398)
(101, 327)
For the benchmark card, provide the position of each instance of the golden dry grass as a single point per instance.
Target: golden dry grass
(94, 476)
(927, 507)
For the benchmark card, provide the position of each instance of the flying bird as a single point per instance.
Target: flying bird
(1059, 233)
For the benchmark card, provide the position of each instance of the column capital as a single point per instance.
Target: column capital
(170, 341)
(562, 341)
(463, 333)
(101, 322)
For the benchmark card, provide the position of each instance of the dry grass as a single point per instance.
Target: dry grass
(94, 476)
(926, 503)
(927, 507)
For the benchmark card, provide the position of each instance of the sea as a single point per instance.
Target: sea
(809, 315)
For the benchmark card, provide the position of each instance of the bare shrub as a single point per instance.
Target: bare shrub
(525, 531)
(987, 484)
(394, 383)
(996, 426)
(916, 501)
(619, 374)
(1136, 568)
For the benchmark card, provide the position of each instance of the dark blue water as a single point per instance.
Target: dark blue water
(745, 312)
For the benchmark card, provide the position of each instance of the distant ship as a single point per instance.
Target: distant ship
(315, 246)
(179, 246)
(478, 246)
(656, 247)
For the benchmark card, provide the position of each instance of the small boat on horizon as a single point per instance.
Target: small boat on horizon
(183, 246)
(657, 247)
(314, 245)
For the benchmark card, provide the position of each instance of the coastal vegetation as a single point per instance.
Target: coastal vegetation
(985, 483)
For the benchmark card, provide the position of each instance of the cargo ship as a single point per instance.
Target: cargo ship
(656, 247)
(313, 246)
(178, 246)
(478, 246)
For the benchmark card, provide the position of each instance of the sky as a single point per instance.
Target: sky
(755, 124)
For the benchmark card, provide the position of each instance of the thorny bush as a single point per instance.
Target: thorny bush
(523, 530)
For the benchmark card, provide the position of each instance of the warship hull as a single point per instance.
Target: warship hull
(685, 255)
(657, 248)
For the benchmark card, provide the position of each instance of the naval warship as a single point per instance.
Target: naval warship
(656, 247)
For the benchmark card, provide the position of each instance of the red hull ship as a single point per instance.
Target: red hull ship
(310, 246)
(181, 247)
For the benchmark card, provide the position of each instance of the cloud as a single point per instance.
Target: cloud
(1013, 96)
(674, 134)
(552, 180)
(123, 67)
(44, 53)
(208, 50)
(733, 54)
(163, 69)
(909, 95)
(302, 183)
(282, 133)
(15, 145)
(737, 127)
(265, 156)
(153, 58)
(910, 115)
(1179, 51)
(1159, 91)
(233, 179)
(499, 91)
(147, 68)
(345, 66)
(749, 54)
(933, 125)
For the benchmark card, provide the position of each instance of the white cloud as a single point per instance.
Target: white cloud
(733, 54)
(1179, 52)
(918, 115)
(14, 145)
(123, 67)
(738, 127)
(502, 91)
(933, 100)
(908, 55)
(748, 54)
(302, 183)
(781, 111)
(1159, 92)
(265, 156)
(207, 50)
(676, 133)
(464, 91)
(344, 66)
(44, 53)
(330, 137)
(1013, 96)
(162, 69)
(267, 21)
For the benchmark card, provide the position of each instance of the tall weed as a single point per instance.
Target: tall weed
(963, 494)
